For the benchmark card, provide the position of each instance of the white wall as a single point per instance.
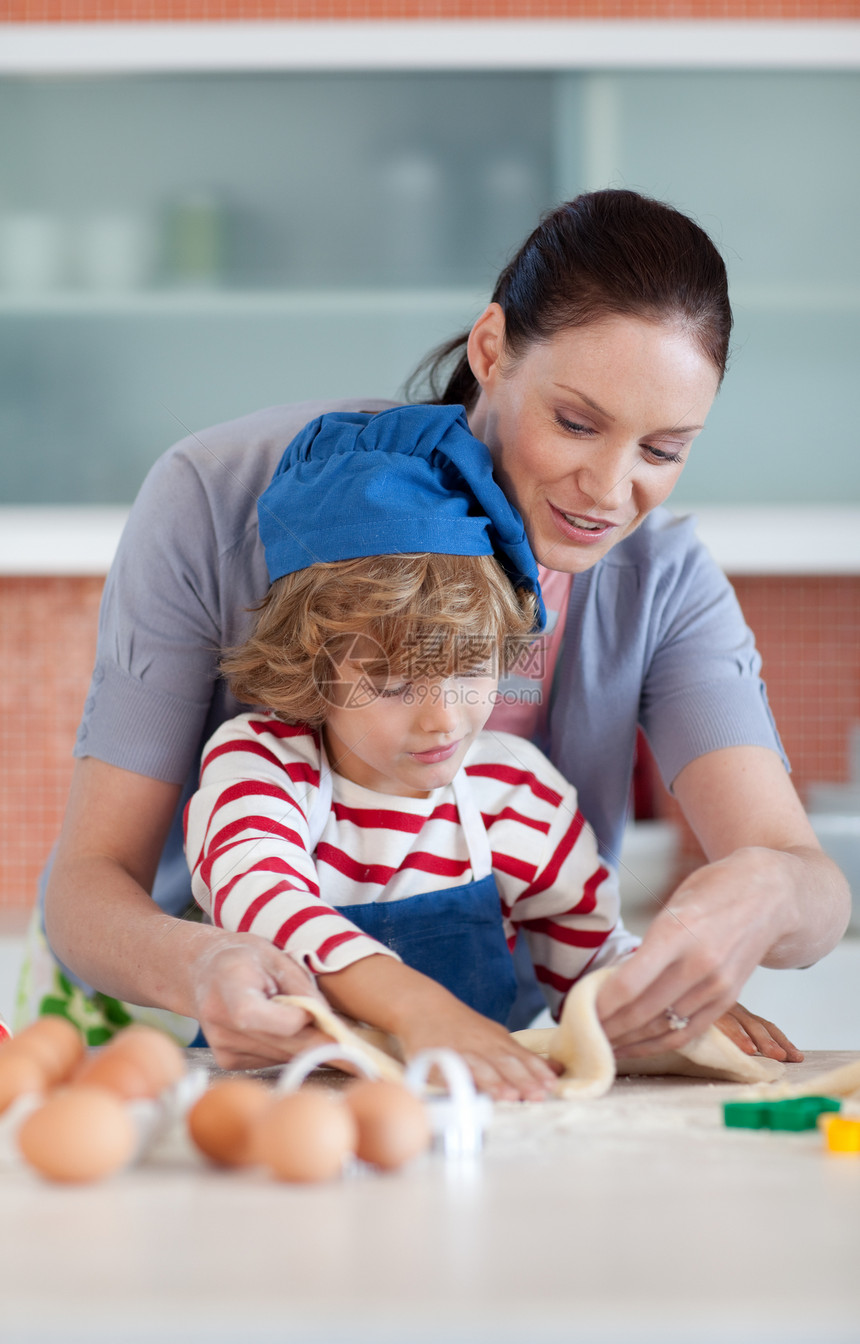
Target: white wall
(11, 950)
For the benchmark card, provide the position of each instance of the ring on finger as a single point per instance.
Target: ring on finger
(676, 1021)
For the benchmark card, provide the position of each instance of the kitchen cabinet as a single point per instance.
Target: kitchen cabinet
(179, 247)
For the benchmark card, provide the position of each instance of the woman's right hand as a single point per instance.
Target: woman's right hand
(233, 981)
(102, 922)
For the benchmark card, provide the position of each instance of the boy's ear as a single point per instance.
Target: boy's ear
(486, 345)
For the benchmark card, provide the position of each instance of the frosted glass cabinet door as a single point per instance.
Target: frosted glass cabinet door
(769, 164)
(89, 399)
(181, 249)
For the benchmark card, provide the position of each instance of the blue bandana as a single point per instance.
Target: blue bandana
(410, 480)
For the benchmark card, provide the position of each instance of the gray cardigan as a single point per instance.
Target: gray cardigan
(654, 637)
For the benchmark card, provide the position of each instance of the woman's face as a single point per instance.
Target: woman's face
(590, 430)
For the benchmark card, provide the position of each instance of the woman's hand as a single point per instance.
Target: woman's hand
(770, 896)
(755, 1035)
(234, 979)
(103, 923)
(697, 955)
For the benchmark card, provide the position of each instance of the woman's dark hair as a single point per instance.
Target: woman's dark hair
(605, 253)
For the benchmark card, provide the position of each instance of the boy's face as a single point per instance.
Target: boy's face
(405, 737)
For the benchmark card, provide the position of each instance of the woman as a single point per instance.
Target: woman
(588, 375)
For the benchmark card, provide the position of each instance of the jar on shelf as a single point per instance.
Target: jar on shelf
(195, 240)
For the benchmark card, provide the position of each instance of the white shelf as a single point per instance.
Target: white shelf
(744, 540)
(229, 302)
(794, 298)
(412, 44)
(59, 540)
(780, 539)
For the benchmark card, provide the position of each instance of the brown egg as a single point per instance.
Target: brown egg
(111, 1069)
(80, 1134)
(305, 1136)
(54, 1042)
(393, 1126)
(19, 1073)
(158, 1057)
(221, 1121)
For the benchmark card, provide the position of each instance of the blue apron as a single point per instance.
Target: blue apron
(456, 935)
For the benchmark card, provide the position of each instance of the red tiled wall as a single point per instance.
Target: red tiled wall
(47, 638)
(808, 633)
(54, 11)
(808, 630)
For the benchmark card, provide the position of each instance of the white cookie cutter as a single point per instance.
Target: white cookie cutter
(459, 1120)
(154, 1116)
(294, 1074)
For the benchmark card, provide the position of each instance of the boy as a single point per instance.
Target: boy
(363, 822)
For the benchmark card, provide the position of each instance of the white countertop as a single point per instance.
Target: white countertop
(634, 1218)
(744, 539)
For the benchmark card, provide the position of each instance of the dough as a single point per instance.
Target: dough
(841, 1082)
(381, 1051)
(590, 1067)
(580, 1044)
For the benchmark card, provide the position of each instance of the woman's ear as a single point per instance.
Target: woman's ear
(486, 344)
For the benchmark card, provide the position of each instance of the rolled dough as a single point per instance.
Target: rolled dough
(590, 1067)
(381, 1051)
(580, 1045)
(841, 1082)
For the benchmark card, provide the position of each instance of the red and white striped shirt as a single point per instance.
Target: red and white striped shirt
(247, 843)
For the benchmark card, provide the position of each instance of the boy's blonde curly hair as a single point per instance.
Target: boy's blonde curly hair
(431, 616)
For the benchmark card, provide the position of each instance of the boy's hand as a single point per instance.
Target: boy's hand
(383, 992)
(499, 1066)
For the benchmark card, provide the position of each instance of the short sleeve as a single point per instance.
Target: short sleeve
(702, 688)
(655, 639)
(189, 570)
(159, 631)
